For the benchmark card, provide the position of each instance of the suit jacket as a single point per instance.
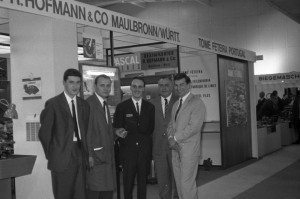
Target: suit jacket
(260, 103)
(57, 130)
(187, 127)
(100, 140)
(139, 127)
(160, 138)
(295, 110)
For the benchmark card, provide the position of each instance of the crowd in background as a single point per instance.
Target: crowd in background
(271, 107)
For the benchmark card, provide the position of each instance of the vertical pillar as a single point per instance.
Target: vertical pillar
(40, 47)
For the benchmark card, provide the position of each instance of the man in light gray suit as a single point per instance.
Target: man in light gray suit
(162, 155)
(184, 137)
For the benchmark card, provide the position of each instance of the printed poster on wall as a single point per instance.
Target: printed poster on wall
(204, 76)
(32, 88)
(92, 46)
(236, 96)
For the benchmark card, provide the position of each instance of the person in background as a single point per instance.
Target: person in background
(270, 108)
(134, 124)
(101, 175)
(279, 100)
(286, 100)
(184, 132)
(162, 155)
(296, 116)
(261, 101)
(63, 130)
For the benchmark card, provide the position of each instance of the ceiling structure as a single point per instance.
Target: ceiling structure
(290, 8)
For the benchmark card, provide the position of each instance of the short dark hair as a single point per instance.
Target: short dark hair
(72, 72)
(139, 78)
(169, 77)
(275, 92)
(180, 76)
(99, 76)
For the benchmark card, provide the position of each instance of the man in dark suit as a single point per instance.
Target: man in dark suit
(162, 154)
(63, 136)
(100, 138)
(261, 101)
(134, 123)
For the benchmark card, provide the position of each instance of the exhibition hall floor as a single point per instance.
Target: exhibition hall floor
(267, 177)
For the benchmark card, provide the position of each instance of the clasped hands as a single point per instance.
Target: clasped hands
(173, 144)
(121, 132)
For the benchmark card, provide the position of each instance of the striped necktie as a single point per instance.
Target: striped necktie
(105, 112)
(180, 103)
(75, 123)
(166, 106)
(137, 108)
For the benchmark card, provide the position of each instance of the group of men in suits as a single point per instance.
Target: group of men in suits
(78, 137)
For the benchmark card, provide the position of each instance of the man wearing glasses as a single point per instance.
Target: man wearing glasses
(134, 124)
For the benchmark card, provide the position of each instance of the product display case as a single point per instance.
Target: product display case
(6, 140)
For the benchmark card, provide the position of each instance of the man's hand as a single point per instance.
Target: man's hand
(173, 144)
(170, 131)
(121, 132)
(91, 162)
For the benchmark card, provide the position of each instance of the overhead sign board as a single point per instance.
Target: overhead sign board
(278, 77)
(93, 16)
(159, 59)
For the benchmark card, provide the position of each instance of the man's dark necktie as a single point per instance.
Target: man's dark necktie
(104, 108)
(75, 123)
(166, 106)
(180, 103)
(137, 108)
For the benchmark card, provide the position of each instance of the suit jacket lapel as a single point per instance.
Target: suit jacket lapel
(79, 110)
(142, 108)
(99, 106)
(65, 104)
(133, 107)
(159, 105)
(185, 103)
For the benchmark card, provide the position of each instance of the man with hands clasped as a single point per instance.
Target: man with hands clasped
(162, 155)
(134, 123)
(184, 137)
(100, 138)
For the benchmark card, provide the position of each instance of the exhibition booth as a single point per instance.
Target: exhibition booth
(273, 133)
(47, 37)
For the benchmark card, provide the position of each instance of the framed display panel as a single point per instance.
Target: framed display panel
(234, 111)
(90, 72)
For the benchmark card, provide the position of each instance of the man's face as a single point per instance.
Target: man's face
(181, 87)
(137, 88)
(103, 87)
(165, 87)
(261, 95)
(72, 85)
